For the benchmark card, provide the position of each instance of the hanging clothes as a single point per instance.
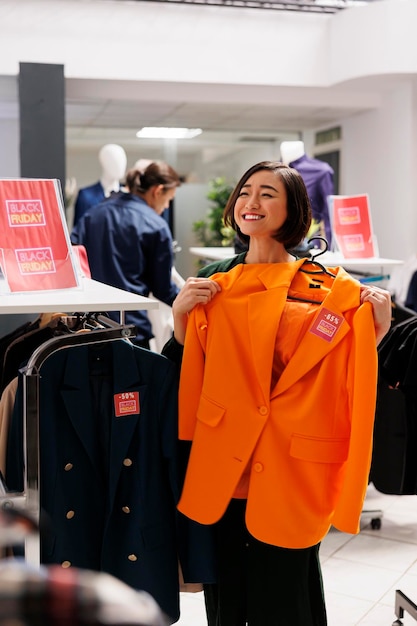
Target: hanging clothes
(411, 299)
(394, 459)
(17, 346)
(399, 281)
(108, 464)
(17, 332)
(7, 401)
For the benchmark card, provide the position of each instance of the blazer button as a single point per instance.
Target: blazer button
(70, 514)
(263, 410)
(258, 467)
(66, 564)
(203, 326)
(125, 509)
(132, 557)
(127, 462)
(68, 467)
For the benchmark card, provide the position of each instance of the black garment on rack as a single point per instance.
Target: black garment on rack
(20, 331)
(411, 299)
(108, 477)
(20, 349)
(394, 458)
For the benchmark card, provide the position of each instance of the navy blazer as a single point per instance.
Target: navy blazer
(108, 485)
(86, 198)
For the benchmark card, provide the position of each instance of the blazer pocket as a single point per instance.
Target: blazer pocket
(210, 412)
(319, 449)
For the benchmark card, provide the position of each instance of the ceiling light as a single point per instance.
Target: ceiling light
(153, 132)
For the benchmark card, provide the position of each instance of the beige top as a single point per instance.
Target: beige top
(6, 409)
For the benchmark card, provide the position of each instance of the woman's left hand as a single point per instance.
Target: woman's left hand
(381, 308)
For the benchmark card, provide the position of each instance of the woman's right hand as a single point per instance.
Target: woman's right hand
(195, 291)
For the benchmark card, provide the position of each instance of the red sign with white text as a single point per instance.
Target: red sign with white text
(34, 242)
(127, 403)
(352, 226)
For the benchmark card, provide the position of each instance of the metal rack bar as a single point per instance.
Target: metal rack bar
(402, 603)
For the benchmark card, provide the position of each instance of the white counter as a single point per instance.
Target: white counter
(91, 296)
(374, 264)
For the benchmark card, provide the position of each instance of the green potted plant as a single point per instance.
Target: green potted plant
(211, 230)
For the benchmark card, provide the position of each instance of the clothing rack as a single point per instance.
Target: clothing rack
(100, 416)
(398, 387)
(29, 499)
(92, 297)
(402, 603)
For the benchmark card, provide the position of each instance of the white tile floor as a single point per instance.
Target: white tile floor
(361, 572)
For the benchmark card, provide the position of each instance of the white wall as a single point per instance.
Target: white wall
(373, 40)
(191, 205)
(143, 41)
(379, 156)
(371, 45)
(9, 149)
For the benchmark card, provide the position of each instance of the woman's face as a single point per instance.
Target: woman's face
(162, 198)
(261, 207)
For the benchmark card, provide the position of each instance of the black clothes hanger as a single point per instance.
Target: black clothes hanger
(326, 246)
(315, 284)
(313, 261)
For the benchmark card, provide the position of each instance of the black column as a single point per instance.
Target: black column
(42, 121)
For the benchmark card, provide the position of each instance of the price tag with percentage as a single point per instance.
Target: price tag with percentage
(326, 324)
(126, 403)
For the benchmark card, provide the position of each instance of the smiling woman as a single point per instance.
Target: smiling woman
(277, 397)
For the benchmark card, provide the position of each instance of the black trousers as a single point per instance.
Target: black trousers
(260, 584)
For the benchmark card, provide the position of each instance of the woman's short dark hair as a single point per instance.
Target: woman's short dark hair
(296, 226)
(156, 173)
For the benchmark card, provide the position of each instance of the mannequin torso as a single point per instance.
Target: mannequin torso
(112, 159)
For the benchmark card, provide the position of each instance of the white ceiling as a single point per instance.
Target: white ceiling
(106, 111)
(103, 111)
(109, 111)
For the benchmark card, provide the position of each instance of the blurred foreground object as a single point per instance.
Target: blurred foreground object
(53, 595)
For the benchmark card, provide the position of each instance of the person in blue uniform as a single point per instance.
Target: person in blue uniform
(129, 244)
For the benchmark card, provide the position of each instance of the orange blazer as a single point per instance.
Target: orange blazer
(308, 439)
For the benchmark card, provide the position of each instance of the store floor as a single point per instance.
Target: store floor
(361, 572)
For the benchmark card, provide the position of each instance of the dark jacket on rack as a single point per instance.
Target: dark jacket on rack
(411, 300)
(108, 464)
(394, 460)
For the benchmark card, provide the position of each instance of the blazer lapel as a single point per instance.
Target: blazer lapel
(76, 396)
(127, 380)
